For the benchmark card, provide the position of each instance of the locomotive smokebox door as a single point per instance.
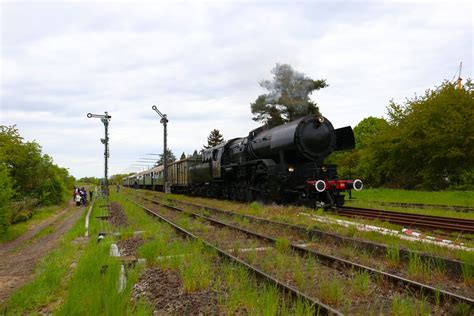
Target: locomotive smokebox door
(315, 139)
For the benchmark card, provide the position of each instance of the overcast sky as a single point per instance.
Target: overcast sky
(200, 62)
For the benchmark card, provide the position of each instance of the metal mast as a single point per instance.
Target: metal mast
(105, 120)
(164, 121)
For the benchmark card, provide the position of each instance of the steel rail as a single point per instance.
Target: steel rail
(453, 266)
(413, 220)
(414, 215)
(456, 208)
(329, 260)
(321, 308)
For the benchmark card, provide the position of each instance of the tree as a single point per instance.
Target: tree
(89, 180)
(215, 138)
(367, 129)
(34, 175)
(183, 156)
(170, 157)
(429, 143)
(354, 163)
(288, 96)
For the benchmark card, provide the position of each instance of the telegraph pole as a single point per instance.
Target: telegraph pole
(164, 121)
(105, 120)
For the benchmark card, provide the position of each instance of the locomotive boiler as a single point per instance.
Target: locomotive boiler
(284, 164)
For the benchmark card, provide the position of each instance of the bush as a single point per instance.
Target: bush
(26, 205)
(5, 196)
(22, 216)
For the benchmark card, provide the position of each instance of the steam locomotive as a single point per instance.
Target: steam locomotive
(283, 164)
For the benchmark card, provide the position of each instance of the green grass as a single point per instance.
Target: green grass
(467, 268)
(360, 284)
(245, 296)
(463, 198)
(59, 285)
(151, 250)
(393, 255)
(16, 230)
(255, 208)
(196, 273)
(51, 276)
(331, 291)
(462, 309)
(408, 306)
(98, 272)
(282, 244)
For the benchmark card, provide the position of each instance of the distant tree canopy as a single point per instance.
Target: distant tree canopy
(215, 138)
(288, 96)
(118, 178)
(170, 157)
(27, 175)
(426, 143)
(90, 180)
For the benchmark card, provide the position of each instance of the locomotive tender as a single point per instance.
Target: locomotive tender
(283, 164)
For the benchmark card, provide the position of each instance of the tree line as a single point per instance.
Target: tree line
(28, 178)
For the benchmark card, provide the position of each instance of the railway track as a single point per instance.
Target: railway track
(456, 208)
(422, 290)
(321, 308)
(453, 266)
(448, 224)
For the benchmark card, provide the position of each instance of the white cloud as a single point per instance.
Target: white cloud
(201, 64)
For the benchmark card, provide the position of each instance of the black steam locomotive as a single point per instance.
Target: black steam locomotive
(283, 164)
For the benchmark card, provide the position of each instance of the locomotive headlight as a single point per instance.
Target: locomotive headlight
(291, 169)
(324, 169)
(320, 186)
(357, 185)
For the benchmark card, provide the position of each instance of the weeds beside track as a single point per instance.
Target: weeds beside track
(321, 307)
(424, 290)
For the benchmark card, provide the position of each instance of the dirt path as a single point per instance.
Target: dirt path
(19, 257)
